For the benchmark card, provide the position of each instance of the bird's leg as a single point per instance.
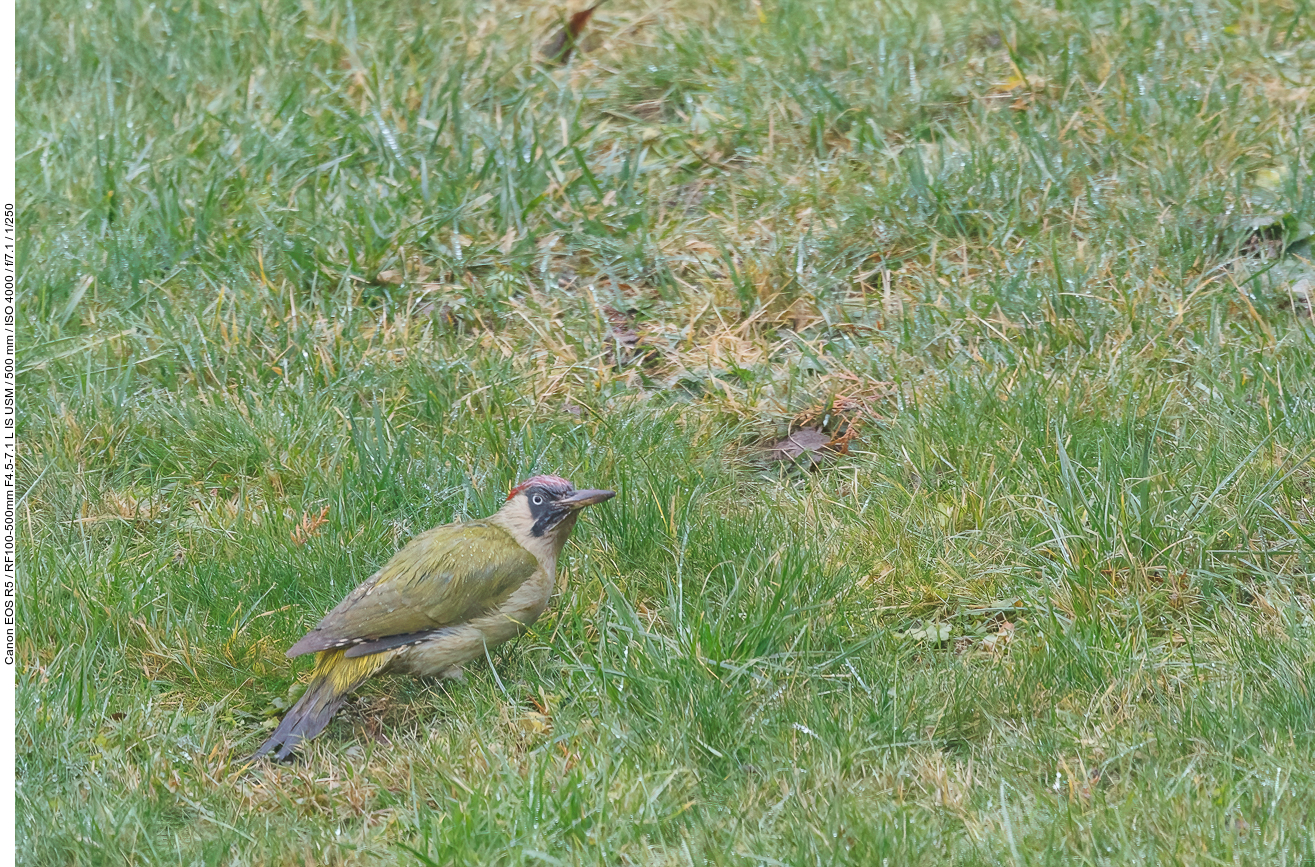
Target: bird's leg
(452, 672)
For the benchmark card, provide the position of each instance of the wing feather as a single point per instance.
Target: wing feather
(442, 577)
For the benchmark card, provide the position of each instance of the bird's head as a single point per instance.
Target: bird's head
(541, 511)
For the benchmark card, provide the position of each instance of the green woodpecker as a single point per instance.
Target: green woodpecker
(444, 599)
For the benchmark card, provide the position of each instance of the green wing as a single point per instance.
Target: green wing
(442, 577)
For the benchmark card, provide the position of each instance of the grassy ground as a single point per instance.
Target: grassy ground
(303, 279)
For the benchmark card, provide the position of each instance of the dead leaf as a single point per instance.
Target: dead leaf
(1298, 292)
(535, 723)
(808, 443)
(558, 50)
(844, 413)
(932, 633)
(999, 639)
(620, 327)
(624, 340)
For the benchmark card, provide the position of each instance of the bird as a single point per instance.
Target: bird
(445, 598)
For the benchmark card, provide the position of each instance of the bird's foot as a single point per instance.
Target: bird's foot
(452, 672)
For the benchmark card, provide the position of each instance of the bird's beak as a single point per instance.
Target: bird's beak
(580, 499)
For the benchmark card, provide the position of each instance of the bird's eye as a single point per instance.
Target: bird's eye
(536, 500)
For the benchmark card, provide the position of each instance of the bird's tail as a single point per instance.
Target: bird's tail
(332, 680)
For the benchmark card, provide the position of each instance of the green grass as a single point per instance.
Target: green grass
(1056, 604)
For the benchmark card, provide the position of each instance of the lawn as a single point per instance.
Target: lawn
(302, 279)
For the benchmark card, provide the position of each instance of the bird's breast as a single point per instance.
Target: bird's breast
(472, 640)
